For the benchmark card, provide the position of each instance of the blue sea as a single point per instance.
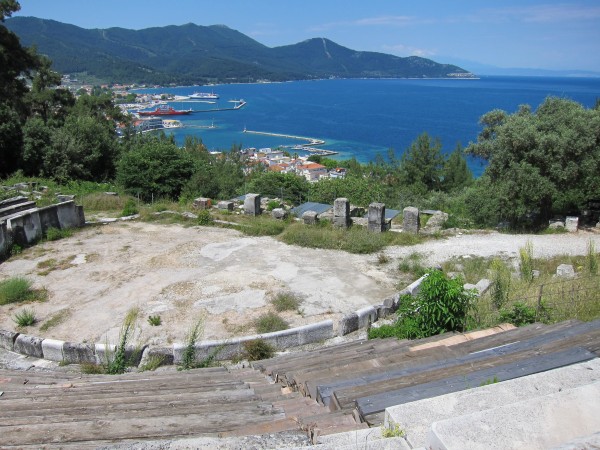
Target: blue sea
(361, 118)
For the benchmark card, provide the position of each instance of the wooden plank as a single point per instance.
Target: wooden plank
(378, 403)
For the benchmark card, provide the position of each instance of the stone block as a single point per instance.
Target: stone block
(483, 286)
(133, 354)
(310, 218)
(69, 215)
(252, 204)
(226, 205)
(74, 353)
(414, 288)
(392, 302)
(555, 224)
(64, 198)
(4, 239)
(48, 218)
(279, 213)
(7, 339)
(203, 203)
(315, 332)
(53, 349)
(104, 353)
(29, 345)
(341, 213)
(366, 317)
(348, 324)
(565, 271)
(572, 224)
(411, 219)
(376, 217)
(26, 228)
(164, 353)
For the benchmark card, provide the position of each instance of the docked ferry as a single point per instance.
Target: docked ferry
(164, 110)
(204, 96)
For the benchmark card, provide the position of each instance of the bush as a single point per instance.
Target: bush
(272, 205)
(54, 234)
(500, 287)
(204, 217)
(25, 318)
(15, 290)
(154, 321)
(188, 360)
(526, 257)
(130, 208)
(257, 349)
(270, 322)
(520, 314)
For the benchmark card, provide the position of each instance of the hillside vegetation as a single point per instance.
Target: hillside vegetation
(191, 54)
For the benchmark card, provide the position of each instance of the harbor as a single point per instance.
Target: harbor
(309, 147)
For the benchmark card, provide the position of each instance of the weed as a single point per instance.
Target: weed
(412, 264)
(48, 265)
(204, 217)
(56, 319)
(118, 363)
(591, 258)
(25, 318)
(500, 287)
(130, 208)
(526, 259)
(188, 360)
(15, 290)
(382, 258)
(273, 204)
(258, 349)
(489, 381)
(15, 249)
(152, 363)
(92, 369)
(520, 314)
(286, 301)
(393, 430)
(54, 234)
(154, 321)
(270, 322)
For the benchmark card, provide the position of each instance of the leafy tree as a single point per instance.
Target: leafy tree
(421, 165)
(287, 185)
(540, 163)
(11, 139)
(37, 138)
(456, 173)
(155, 166)
(360, 191)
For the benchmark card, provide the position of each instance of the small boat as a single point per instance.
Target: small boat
(164, 110)
(204, 96)
(171, 123)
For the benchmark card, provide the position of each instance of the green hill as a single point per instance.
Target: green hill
(191, 54)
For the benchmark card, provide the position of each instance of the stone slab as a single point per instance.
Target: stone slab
(366, 316)
(310, 218)
(411, 222)
(166, 354)
(252, 204)
(572, 224)
(53, 349)
(416, 417)
(538, 423)
(75, 353)
(29, 345)
(348, 324)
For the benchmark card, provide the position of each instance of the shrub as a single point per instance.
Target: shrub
(154, 321)
(520, 314)
(526, 257)
(500, 287)
(286, 301)
(204, 217)
(54, 234)
(270, 322)
(92, 369)
(272, 205)
(130, 208)
(152, 363)
(15, 290)
(257, 349)
(25, 318)
(591, 259)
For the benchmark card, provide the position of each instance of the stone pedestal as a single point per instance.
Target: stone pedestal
(252, 204)
(279, 213)
(572, 224)
(411, 220)
(225, 205)
(341, 213)
(202, 203)
(376, 217)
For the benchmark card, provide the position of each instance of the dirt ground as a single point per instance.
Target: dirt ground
(182, 274)
(96, 276)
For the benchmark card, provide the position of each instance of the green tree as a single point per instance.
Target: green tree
(289, 186)
(456, 174)
(421, 165)
(154, 166)
(11, 139)
(540, 163)
(37, 138)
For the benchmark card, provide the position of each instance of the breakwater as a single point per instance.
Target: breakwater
(311, 142)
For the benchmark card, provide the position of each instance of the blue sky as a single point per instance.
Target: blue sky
(541, 34)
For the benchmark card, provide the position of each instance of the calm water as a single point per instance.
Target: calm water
(364, 117)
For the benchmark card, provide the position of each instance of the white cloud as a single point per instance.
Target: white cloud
(407, 50)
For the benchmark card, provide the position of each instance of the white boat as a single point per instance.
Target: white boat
(170, 123)
(204, 96)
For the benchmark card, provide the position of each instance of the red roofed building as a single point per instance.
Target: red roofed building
(312, 171)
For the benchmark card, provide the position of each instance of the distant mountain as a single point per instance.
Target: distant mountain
(198, 54)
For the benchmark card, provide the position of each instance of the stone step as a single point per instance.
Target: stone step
(538, 423)
(416, 417)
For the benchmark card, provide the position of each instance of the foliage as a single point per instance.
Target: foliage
(422, 164)
(286, 301)
(154, 321)
(392, 431)
(188, 360)
(262, 226)
(286, 186)
(526, 259)
(118, 362)
(520, 314)
(358, 190)
(501, 280)
(92, 369)
(130, 208)
(25, 318)
(204, 217)
(152, 363)
(441, 305)
(154, 167)
(257, 349)
(18, 290)
(455, 173)
(540, 163)
(269, 322)
(412, 264)
(54, 234)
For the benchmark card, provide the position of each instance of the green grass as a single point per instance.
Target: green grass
(54, 234)
(286, 301)
(353, 240)
(18, 290)
(56, 319)
(25, 318)
(154, 321)
(269, 322)
(257, 349)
